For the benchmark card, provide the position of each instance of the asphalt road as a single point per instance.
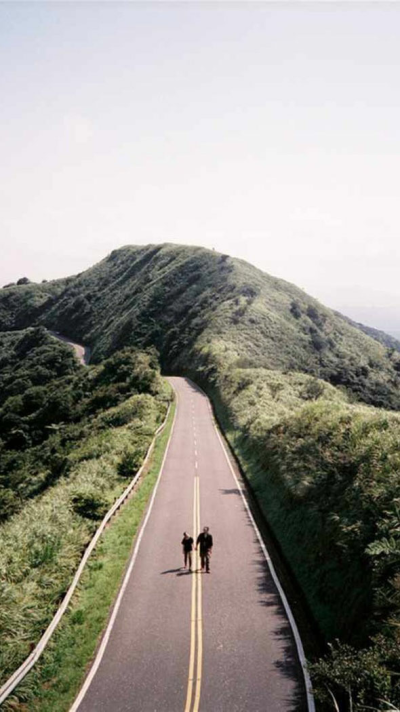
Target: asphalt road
(182, 642)
(82, 352)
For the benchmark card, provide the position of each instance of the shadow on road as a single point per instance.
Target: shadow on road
(289, 665)
(230, 491)
(182, 572)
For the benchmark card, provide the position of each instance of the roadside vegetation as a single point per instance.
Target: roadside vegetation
(327, 476)
(84, 440)
(50, 406)
(54, 682)
(310, 402)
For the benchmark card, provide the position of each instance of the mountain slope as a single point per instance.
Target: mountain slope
(201, 309)
(324, 469)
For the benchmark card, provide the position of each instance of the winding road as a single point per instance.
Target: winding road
(182, 642)
(82, 352)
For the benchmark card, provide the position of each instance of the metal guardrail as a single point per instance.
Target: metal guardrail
(30, 661)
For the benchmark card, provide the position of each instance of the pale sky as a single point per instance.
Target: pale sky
(270, 131)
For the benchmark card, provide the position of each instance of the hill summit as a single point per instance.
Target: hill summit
(204, 310)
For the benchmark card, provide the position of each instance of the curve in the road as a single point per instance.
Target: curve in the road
(181, 642)
(82, 352)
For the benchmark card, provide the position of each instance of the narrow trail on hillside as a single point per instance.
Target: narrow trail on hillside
(182, 642)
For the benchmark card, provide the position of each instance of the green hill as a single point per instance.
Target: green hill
(200, 308)
(306, 397)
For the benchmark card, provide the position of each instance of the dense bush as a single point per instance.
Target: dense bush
(47, 400)
(187, 300)
(324, 469)
(355, 679)
(130, 462)
(327, 476)
(88, 502)
(53, 495)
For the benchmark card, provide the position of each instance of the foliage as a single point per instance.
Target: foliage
(130, 462)
(54, 681)
(64, 484)
(386, 339)
(358, 679)
(289, 378)
(88, 502)
(21, 306)
(186, 301)
(327, 475)
(23, 280)
(48, 402)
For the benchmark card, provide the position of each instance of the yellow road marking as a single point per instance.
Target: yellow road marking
(196, 631)
(199, 618)
(193, 610)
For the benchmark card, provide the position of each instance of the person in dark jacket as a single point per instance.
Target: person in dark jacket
(205, 542)
(187, 548)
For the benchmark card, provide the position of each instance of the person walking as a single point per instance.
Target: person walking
(205, 542)
(187, 548)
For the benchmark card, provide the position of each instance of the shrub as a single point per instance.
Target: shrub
(358, 679)
(89, 503)
(317, 317)
(295, 309)
(130, 462)
(327, 475)
(312, 390)
(8, 503)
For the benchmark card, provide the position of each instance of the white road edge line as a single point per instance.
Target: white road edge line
(293, 624)
(19, 674)
(110, 626)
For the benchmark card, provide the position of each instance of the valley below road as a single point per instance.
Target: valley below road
(181, 641)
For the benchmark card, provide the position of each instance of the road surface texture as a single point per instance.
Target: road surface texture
(183, 642)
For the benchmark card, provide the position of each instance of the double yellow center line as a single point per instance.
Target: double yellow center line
(196, 630)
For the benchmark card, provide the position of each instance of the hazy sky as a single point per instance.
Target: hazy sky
(270, 131)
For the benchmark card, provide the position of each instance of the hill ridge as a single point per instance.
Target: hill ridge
(198, 307)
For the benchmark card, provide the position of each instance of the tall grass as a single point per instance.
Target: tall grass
(40, 547)
(54, 682)
(327, 476)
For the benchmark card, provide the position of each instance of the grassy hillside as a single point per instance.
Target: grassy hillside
(293, 383)
(72, 437)
(326, 474)
(200, 309)
(21, 306)
(391, 343)
(47, 404)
